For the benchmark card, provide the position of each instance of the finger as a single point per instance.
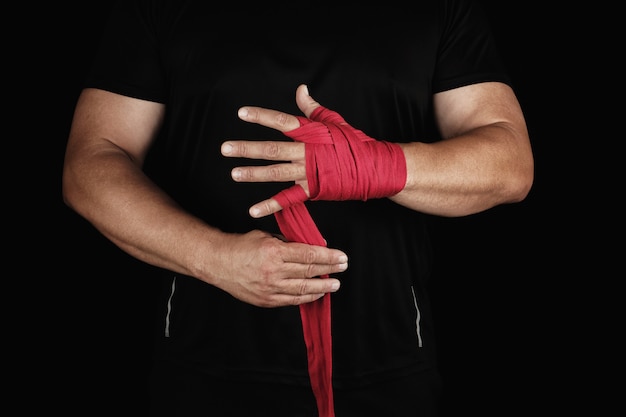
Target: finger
(305, 102)
(312, 286)
(314, 271)
(270, 173)
(297, 193)
(267, 150)
(269, 118)
(281, 300)
(313, 260)
(264, 208)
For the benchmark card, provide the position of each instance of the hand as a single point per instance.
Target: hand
(294, 170)
(264, 270)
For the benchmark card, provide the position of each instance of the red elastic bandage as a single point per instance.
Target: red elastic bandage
(342, 163)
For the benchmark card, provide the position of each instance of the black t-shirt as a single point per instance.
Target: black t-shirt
(376, 66)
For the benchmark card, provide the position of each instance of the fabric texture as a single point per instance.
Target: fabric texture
(296, 225)
(340, 166)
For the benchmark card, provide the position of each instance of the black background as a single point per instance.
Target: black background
(512, 335)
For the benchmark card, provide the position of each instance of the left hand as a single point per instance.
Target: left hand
(294, 170)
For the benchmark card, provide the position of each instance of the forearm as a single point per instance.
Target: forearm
(125, 206)
(488, 166)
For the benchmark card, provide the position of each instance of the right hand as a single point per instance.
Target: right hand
(262, 269)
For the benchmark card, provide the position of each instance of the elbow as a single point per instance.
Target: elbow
(521, 183)
(521, 191)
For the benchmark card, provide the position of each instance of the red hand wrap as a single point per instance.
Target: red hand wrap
(296, 225)
(342, 163)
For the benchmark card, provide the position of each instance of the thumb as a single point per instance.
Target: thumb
(305, 102)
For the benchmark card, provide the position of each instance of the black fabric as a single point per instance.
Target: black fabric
(378, 67)
(184, 392)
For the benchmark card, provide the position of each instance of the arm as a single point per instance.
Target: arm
(103, 181)
(486, 159)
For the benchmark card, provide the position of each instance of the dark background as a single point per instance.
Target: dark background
(512, 313)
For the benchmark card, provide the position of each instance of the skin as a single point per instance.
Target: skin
(485, 160)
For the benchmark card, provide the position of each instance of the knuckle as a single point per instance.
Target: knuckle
(310, 257)
(304, 287)
(264, 281)
(282, 119)
(242, 149)
(245, 174)
(267, 207)
(310, 271)
(266, 253)
(275, 172)
(271, 149)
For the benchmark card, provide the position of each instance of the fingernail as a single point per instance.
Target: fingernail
(335, 286)
(243, 112)
(227, 148)
(236, 174)
(254, 212)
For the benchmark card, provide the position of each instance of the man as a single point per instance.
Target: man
(184, 143)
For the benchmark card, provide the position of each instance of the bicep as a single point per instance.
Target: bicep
(463, 109)
(102, 118)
